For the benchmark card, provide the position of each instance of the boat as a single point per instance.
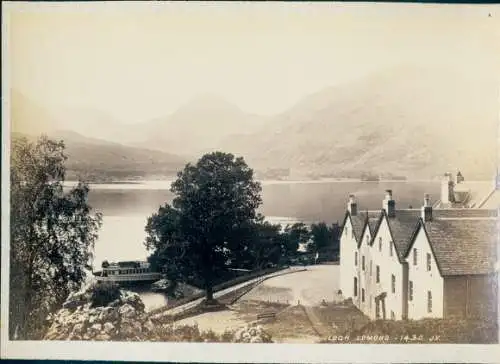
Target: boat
(127, 272)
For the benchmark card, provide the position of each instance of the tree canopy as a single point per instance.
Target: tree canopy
(215, 204)
(324, 237)
(52, 234)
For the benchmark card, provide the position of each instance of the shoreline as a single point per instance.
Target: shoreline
(164, 184)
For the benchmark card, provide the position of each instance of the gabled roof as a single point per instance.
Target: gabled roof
(401, 228)
(360, 220)
(463, 246)
(464, 241)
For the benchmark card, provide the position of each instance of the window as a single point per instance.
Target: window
(393, 316)
(393, 283)
(415, 257)
(429, 259)
(355, 286)
(429, 301)
(380, 244)
(363, 262)
(377, 272)
(391, 248)
(362, 295)
(410, 291)
(371, 266)
(356, 258)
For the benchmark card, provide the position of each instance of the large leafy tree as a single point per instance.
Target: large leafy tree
(324, 237)
(295, 235)
(193, 238)
(52, 234)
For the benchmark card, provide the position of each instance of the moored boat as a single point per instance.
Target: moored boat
(127, 272)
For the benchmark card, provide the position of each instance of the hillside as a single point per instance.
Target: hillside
(99, 160)
(94, 123)
(198, 126)
(413, 121)
(91, 158)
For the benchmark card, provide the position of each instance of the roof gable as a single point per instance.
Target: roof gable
(464, 247)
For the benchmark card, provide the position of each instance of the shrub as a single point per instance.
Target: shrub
(103, 293)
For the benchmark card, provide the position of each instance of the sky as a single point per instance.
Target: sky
(137, 61)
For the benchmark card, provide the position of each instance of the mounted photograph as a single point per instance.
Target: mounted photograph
(250, 173)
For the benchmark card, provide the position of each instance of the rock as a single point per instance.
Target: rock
(148, 326)
(102, 337)
(133, 299)
(78, 320)
(96, 327)
(161, 286)
(78, 328)
(93, 319)
(127, 311)
(256, 339)
(126, 329)
(109, 328)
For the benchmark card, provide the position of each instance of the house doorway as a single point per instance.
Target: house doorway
(380, 312)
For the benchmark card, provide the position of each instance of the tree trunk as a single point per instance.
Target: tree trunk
(209, 293)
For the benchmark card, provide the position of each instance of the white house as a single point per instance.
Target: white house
(409, 263)
(451, 264)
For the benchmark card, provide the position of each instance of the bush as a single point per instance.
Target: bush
(186, 333)
(103, 293)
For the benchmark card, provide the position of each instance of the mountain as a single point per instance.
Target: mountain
(94, 123)
(96, 159)
(412, 121)
(99, 160)
(198, 126)
(91, 158)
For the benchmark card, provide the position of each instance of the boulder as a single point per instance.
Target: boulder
(123, 318)
(148, 326)
(108, 328)
(127, 311)
(103, 337)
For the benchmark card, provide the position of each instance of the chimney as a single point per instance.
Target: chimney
(459, 178)
(447, 189)
(352, 206)
(389, 205)
(427, 208)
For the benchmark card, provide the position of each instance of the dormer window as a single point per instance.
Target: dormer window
(380, 244)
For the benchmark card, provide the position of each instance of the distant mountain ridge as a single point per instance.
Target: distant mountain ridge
(198, 126)
(411, 121)
(407, 121)
(91, 158)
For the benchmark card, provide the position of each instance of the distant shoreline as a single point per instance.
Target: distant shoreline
(161, 183)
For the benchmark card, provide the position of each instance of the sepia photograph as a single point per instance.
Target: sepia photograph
(258, 181)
